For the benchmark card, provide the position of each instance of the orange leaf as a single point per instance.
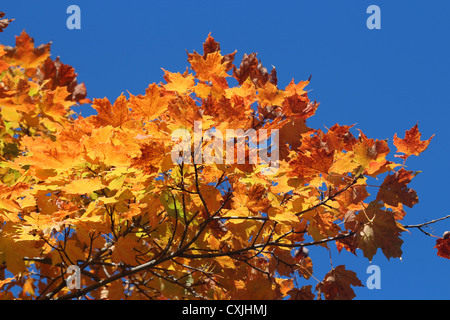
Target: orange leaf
(411, 144)
(367, 151)
(123, 250)
(25, 54)
(108, 114)
(3, 65)
(209, 68)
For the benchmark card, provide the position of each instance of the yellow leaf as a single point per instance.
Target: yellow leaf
(207, 69)
(278, 215)
(178, 82)
(6, 281)
(28, 287)
(117, 183)
(10, 114)
(226, 262)
(270, 95)
(83, 186)
(149, 106)
(13, 251)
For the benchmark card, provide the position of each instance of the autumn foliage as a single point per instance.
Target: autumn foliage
(103, 193)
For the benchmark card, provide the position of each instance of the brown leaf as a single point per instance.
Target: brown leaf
(251, 67)
(56, 74)
(4, 22)
(210, 45)
(337, 284)
(348, 243)
(394, 189)
(378, 229)
(273, 76)
(304, 293)
(443, 246)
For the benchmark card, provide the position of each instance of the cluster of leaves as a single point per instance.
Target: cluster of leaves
(4, 22)
(103, 193)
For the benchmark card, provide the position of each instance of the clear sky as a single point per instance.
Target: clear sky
(384, 81)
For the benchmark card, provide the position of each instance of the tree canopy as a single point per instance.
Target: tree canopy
(104, 193)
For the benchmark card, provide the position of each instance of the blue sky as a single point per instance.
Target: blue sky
(384, 81)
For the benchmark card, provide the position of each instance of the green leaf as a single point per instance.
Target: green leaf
(173, 208)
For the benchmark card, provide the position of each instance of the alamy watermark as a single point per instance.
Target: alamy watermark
(74, 20)
(374, 280)
(73, 281)
(374, 20)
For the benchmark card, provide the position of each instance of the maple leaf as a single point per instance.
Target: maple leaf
(149, 106)
(394, 189)
(366, 151)
(180, 83)
(52, 74)
(443, 245)
(411, 144)
(252, 68)
(209, 69)
(123, 250)
(297, 103)
(211, 46)
(378, 229)
(83, 186)
(352, 200)
(25, 54)
(314, 162)
(13, 251)
(151, 155)
(304, 293)
(337, 284)
(252, 198)
(45, 154)
(321, 224)
(113, 291)
(270, 95)
(115, 115)
(291, 134)
(54, 104)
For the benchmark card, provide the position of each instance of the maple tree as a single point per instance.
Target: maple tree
(103, 193)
